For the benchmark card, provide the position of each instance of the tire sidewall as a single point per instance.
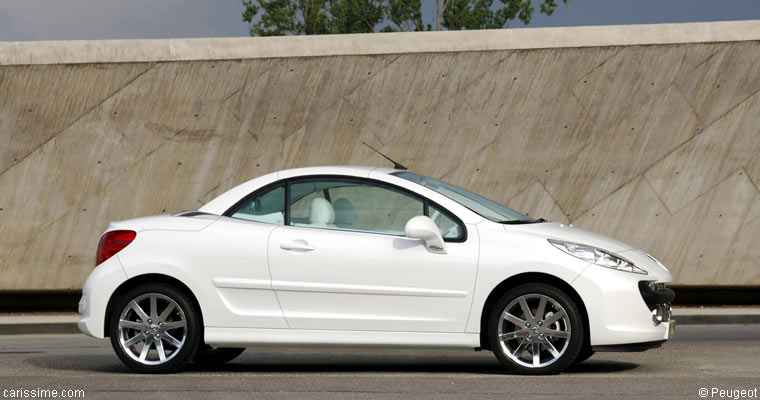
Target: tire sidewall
(577, 335)
(192, 317)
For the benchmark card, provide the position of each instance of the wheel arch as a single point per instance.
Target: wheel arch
(519, 279)
(149, 278)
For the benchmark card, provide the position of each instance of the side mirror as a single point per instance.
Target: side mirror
(422, 227)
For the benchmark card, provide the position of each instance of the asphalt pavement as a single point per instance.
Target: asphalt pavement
(706, 357)
(65, 322)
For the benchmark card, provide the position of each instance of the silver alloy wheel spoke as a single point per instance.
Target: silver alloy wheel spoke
(160, 350)
(174, 325)
(145, 350)
(132, 324)
(521, 348)
(136, 307)
(134, 340)
(171, 339)
(511, 318)
(541, 308)
(165, 313)
(554, 318)
(556, 333)
(152, 329)
(526, 309)
(153, 307)
(511, 335)
(539, 340)
(549, 346)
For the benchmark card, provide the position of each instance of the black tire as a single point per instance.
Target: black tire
(178, 343)
(560, 313)
(584, 355)
(208, 355)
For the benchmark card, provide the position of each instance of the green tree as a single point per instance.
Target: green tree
(314, 17)
(286, 17)
(405, 15)
(356, 16)
(481, 14)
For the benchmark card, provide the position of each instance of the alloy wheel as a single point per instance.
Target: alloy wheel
(534, 330)
(152, 329)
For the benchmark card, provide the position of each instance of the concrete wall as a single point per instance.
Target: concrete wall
(650, 134)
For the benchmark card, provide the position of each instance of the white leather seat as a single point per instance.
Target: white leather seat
(345, 213)
(321, 213)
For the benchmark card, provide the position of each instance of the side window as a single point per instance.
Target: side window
(267, 206)
(448, 227)
(352, 205)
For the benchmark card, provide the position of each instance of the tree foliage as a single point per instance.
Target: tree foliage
(314, 17)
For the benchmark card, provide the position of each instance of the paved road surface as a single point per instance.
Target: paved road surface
(717, 356)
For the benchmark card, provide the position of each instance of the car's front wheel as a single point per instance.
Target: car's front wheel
(536, 329)
(155, 328)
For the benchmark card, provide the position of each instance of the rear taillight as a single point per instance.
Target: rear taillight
(112, 243)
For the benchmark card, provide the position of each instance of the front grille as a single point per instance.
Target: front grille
(655, 294)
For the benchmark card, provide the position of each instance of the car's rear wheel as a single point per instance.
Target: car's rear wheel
(208, 355)
(535, 329)
(155, 328)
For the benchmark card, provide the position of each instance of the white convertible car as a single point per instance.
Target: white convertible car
(359, 256)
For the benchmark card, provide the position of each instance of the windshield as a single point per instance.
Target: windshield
(486, 208)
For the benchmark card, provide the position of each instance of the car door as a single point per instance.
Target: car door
(238, 266)
(341, 261)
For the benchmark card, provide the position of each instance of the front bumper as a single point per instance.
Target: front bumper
(618, 314)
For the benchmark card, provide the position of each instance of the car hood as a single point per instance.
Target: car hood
(558, 231)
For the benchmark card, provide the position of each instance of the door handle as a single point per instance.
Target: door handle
(298, 245)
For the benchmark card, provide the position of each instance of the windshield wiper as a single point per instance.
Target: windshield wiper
(522, 221)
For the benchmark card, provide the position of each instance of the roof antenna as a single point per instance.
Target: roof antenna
(395, 164)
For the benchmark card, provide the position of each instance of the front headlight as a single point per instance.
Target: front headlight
(597, 256)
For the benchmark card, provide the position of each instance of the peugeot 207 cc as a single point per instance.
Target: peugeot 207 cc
(359, 256)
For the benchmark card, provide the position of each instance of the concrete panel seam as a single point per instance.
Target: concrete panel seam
(84, 114)
(364, 82)
(643, 175)
(699, 64)
(597, 66)
(345, 100)
(718, 118)
(720, 179)
(691, 107)
(551, 196)
(611, 132)
(146, 155)
(746, 221)
(751, 180)
(676, 148)
(708, 189)
(242, 88)
(583, 108)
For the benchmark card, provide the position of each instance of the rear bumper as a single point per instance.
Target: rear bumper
(98, 288)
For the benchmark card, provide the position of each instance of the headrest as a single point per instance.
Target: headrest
(321, 212)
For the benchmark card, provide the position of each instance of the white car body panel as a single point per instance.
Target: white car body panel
(363, 288)
(403, 287)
